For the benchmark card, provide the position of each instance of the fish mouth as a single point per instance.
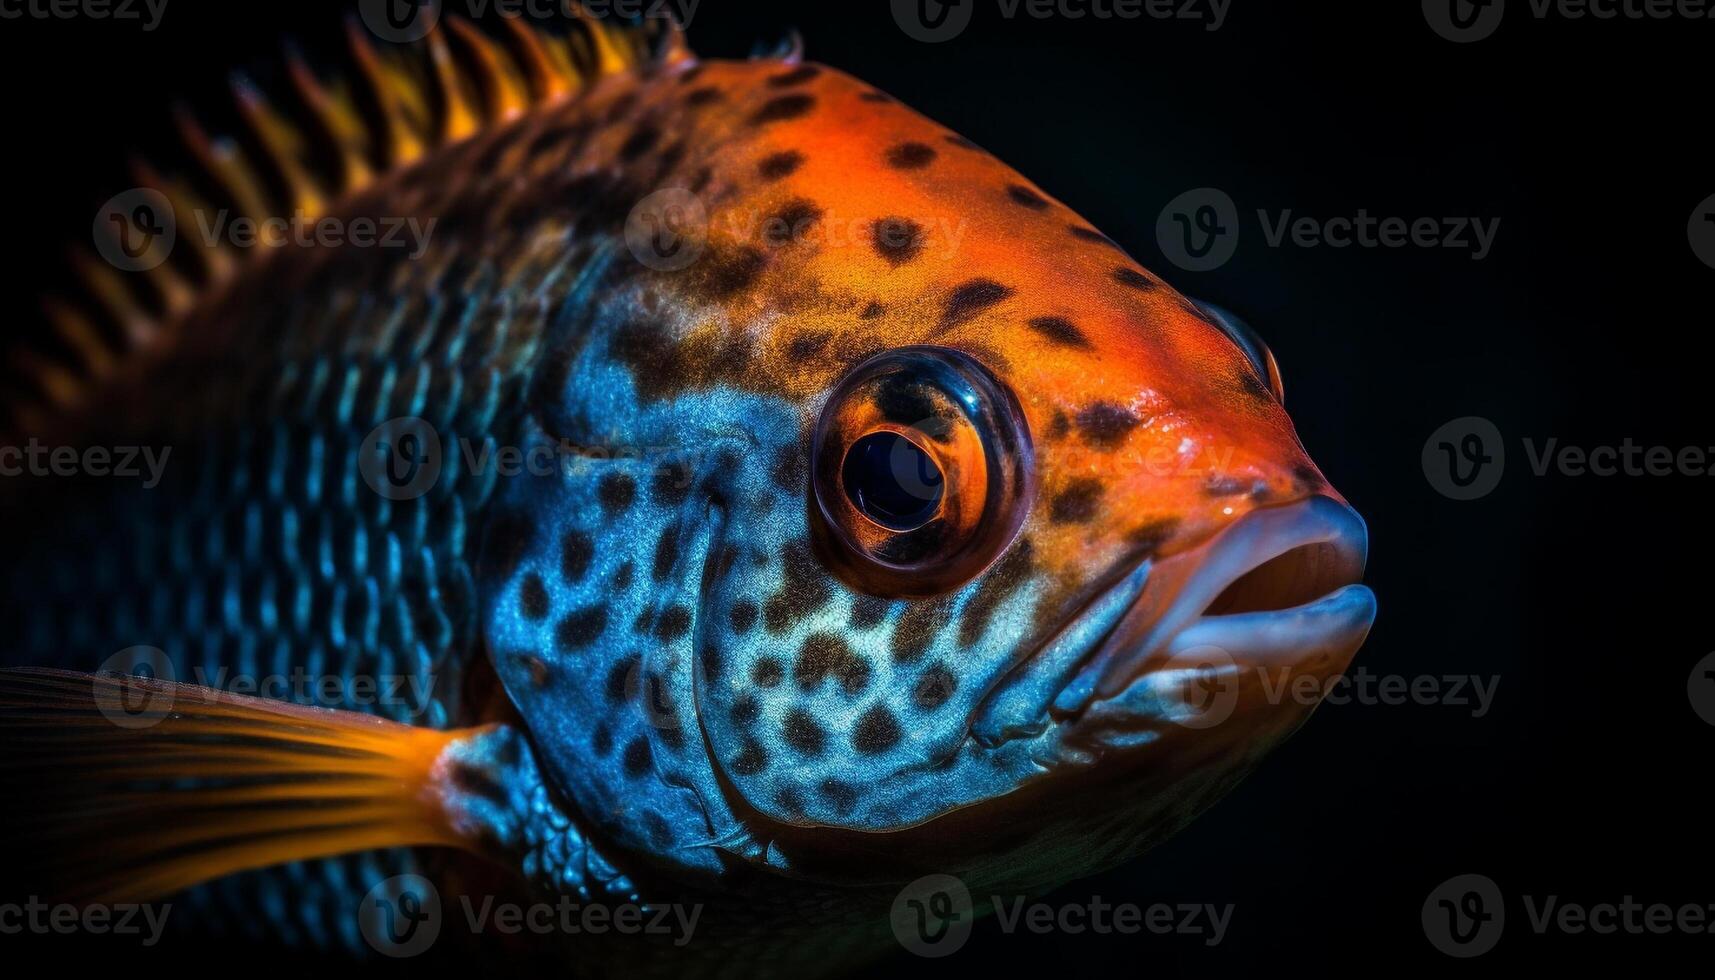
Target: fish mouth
(1278, 588)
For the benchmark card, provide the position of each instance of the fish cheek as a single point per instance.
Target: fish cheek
(589, 584)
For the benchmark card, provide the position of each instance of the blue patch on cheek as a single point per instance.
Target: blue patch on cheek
(668, 627)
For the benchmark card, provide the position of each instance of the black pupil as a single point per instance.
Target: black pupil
(892, 481)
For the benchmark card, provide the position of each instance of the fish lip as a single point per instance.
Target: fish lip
(1325, 619)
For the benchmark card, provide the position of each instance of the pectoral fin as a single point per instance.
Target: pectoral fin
(120, 788)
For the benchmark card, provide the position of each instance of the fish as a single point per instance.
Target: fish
(747, 496)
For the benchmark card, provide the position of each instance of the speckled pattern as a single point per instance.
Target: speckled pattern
(714, 707)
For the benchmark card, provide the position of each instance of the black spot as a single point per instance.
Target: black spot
(746, 710)
(641, 625)
(602, 740)
(782, 108)
(843, 796)
(621, 106)
(872, 311)
(825, 655)
(727, 272)
(1307, 476)
(917, 629)
(802, 732)
(1105, 424)
(867, 612)
(792, 223)
(616, 491)
(778, 165)
(901, 399)
(808, 345)
(659, 833)
(671, 484)
(1006, 577)
(675, 622)
(1025, 197)
(533, 598)
(768, 672)
(1060, 330)
(910, 156)
(1254, 387)
(1077, 503)
(751, 759)
(802, 593)
(934, 688)
(1134, 279)
(576, 550)
(898, 240)
(970, 300)
(703, 96)
(622, 577)
(700, 180)
(691, 74)
(743, 616)
(714, 662)
(581, 628)
(796, 76)
(641, 141)
(1092, 235)
(876, 731)
(619, 678)
(637, 758)
(1151, 536)
(666, 553)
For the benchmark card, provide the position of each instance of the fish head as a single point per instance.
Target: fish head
(911, 524)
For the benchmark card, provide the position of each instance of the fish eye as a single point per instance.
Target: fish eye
(921, 472)
(1253, 347)
(893, 481)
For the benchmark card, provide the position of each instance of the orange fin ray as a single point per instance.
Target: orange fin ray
(138, 788)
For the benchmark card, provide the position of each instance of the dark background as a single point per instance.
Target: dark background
(1587, 597)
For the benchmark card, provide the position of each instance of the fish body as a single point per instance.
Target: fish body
(818, 505)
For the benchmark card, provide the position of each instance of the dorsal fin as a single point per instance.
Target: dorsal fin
(394, 104)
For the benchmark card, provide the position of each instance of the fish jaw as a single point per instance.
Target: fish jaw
(1182, 645)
